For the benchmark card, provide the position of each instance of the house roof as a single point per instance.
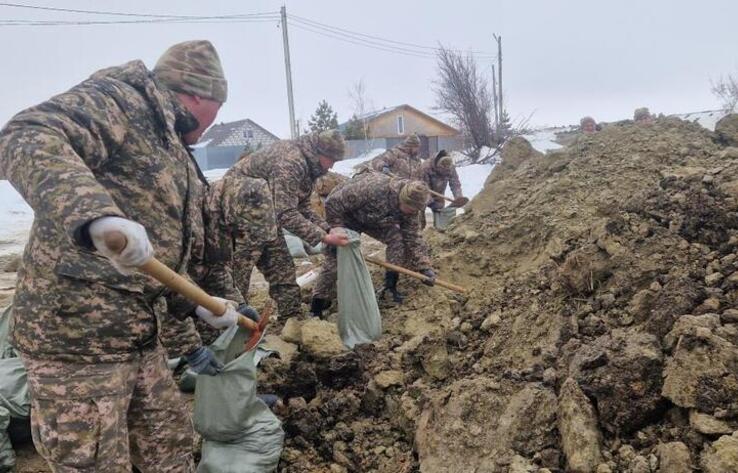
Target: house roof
(378, 113)
(231, 132)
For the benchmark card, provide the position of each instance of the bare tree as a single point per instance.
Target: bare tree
(462, 92)
(726, 89)
(362, 105)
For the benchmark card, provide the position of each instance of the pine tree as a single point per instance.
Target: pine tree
(324, 118)
(505, 125)
(354, 129)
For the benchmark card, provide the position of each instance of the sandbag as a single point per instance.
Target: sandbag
(14, 398)
(7, 454)
(299, 248)
(6, 351)
(188, 378)
(239, 431)
(359, 320)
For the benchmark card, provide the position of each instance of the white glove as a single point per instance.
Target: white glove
(227, 320)
(138, 248)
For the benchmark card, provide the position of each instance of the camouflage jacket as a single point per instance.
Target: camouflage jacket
(370, 203)
(399, 161)
(290, 169)
(437, 182)
(109, 146)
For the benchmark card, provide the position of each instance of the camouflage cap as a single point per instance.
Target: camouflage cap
(193, 67)
(641, 114)
(329, 144)
(414, 194)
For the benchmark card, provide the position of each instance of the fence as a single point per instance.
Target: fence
(430, 145)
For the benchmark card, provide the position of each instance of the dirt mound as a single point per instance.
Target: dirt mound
(610, 265)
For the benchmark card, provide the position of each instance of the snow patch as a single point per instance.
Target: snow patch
(347, 166)
(544, 140)
(708, 119)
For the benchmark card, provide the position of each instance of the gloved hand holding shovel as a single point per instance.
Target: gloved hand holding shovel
(126, 244)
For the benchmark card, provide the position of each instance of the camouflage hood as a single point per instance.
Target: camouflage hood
(168, 109)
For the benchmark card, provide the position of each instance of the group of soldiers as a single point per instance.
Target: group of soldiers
(112, 155)
(641, 116)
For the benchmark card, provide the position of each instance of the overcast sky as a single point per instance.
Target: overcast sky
(562, 59)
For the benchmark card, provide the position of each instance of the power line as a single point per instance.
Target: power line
(203, 20)
(363, 43)
(139, 15)
(344, 31)
(305, 24)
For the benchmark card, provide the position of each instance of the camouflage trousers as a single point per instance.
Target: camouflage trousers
(325, 286)
(106, 417)
(274, 261)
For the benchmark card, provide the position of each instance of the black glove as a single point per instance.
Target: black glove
(248, 311)
(203, 361)
(435, 206)
(431, 275)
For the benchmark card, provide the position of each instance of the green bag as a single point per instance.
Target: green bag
(7, 454)
(442, 218)
(14, 399)
(359, 320)
(240, 433)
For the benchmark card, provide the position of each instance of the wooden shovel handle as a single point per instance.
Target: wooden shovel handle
(413, 274)
(117, 242)
(432, 192)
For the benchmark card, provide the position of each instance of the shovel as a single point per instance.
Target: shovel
(457, 202)
(413, 274)
(117, 242)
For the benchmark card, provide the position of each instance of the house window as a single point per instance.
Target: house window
(400, 125)
(248, 133)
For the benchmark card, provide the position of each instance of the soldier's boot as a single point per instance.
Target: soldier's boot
(390, 284)
(317, 306)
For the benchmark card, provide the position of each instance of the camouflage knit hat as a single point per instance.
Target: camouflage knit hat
(641, 113)
(586, 120)
(193, 68)
(330, 144)
(414, 194)
(412, 140)
(446, 163)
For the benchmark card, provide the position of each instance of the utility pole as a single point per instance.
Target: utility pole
(494, 103)
(288, 72)
(499, 75)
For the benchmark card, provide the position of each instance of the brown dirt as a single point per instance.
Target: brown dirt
(583, 260)
(580, 263)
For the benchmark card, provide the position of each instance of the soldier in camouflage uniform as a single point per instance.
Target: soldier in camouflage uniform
(90, 161)
(642, 116)
(241, 214)
(402, 161)
(437, 173)
(588, 125)
(386, 209)
(290, 168)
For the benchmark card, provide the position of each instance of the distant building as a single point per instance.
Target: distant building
(390, 126)
(223, 143)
